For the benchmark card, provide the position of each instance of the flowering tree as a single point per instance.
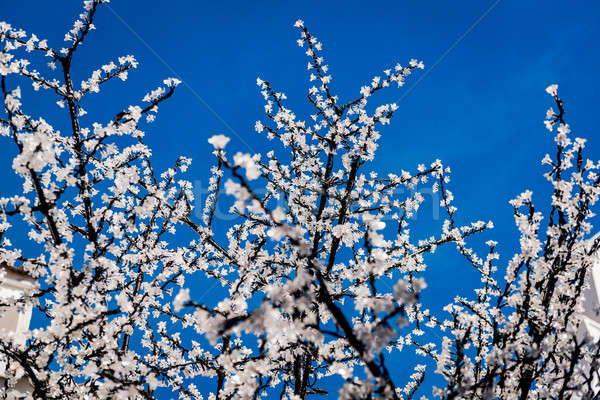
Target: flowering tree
(322, 274)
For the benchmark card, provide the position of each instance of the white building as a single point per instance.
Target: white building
(592, 304)
(15, 282)
(12, 286)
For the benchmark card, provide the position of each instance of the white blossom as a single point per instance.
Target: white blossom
(219, 141)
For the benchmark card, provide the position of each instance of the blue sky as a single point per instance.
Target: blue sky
(479, 110)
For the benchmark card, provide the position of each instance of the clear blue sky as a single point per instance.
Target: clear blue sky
(480, 110)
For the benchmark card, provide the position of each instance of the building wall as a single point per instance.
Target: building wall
(12, 287)
(14, 320)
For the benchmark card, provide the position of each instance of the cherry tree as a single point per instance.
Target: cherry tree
(322, 275)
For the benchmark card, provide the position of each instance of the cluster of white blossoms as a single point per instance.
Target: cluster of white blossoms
(321, 279)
